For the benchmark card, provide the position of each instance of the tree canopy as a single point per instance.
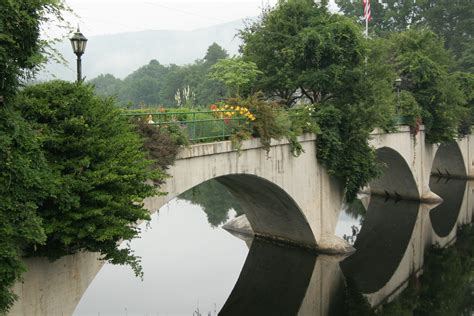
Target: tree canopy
(423, 63)
(157, 84)
(99, 171)
(21, 50)
(25, 178)
(238, 75)
(450, 20)
(309, 55)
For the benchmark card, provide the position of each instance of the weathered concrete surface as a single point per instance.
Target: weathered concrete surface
(410, 161)
(405, 158)
(287, 198)
(54, 288)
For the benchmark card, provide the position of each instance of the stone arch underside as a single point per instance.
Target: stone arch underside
(271, 212)
(381, 243)
(397, 179)
(449, 162)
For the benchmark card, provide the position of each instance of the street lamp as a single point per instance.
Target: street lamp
(78, 42)
(398, 85)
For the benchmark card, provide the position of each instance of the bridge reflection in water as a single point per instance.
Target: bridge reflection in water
(392, 238)
(393, 242)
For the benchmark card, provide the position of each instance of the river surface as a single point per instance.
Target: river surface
(194, 267)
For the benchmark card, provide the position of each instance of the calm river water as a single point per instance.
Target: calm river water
(402, 265)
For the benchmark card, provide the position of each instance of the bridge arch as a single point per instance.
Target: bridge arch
(397, 179)
(448, 161)
(271, 212)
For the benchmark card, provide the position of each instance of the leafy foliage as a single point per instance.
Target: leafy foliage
(422, 62)
(451, 20)
(21, 50)
(25, 178)
(99, 169)
(156, 84)
(161, 144)
(24, 182)
(466, 84)
(238, 75)
(308, 54)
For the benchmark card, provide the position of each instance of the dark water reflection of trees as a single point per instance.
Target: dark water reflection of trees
(214, 199)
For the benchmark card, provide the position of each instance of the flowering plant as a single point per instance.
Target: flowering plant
(229, 111)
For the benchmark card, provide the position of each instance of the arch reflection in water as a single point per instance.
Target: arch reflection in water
(280, 280)
(390, 252)
(444, 216)
(381, 243)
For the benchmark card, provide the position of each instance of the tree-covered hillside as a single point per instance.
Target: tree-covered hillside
(171, 85)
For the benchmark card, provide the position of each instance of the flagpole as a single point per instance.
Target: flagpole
(367, 27)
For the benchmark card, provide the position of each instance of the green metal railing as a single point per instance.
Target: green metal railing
(208, 125)
(199, 125)
(400, 120)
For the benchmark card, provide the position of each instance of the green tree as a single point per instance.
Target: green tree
(309, 54)
(144, 84)
(25, 179)
(214, 53)
(99, 168)
(106, 85)
(387, 16)
(423, 63)
(156, 84)
(237, 74)
(21, 50)
(451, 20)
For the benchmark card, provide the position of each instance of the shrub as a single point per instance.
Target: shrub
(99, 170)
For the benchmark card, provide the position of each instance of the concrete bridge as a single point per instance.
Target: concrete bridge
(287, 199)
(390, 249)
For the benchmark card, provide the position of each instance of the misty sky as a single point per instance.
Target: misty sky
(97, 17)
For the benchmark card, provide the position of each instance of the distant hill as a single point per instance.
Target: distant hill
(121, 54)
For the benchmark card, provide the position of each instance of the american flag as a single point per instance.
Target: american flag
(367, 15)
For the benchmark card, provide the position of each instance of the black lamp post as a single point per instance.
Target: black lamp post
(398, 85)
(78, 42)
